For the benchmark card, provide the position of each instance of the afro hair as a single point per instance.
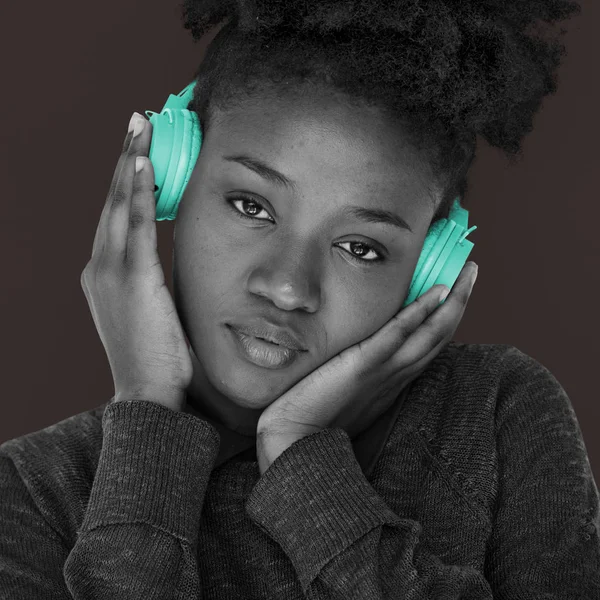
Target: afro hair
(446, 69)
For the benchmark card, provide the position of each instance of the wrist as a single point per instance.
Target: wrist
(175, 400)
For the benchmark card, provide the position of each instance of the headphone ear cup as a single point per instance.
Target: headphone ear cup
(444, 253)
(424, 264)
(174, 150)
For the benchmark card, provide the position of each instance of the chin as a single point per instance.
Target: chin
(247, 398)
(243, 392)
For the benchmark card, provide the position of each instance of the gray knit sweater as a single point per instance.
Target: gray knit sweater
(481, 489)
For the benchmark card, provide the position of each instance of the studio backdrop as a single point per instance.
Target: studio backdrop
(72, 77)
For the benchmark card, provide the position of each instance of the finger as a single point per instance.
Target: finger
(439, 326)
(141, 239)
(99, 238)
(410, 318)
(117, 220)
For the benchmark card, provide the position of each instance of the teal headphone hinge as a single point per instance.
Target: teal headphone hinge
(174, 150)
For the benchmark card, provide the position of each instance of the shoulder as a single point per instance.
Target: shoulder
(55, 466)
(514, 392)
(72, 438)
(497, 357)
(479, 367)
(501, 365)
(485, 387)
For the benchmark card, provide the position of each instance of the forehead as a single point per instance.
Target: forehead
(331, 139)
(300, 120)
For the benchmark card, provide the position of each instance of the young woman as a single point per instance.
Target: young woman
(360, 453)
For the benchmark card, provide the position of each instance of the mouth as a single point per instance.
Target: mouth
(269, 341)
(255, 331)
(261, 352)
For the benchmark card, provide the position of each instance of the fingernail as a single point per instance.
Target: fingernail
(132, 122)
(474, 275)
(136, 123)
(444, 294)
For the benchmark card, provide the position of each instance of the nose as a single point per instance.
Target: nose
(289, 277)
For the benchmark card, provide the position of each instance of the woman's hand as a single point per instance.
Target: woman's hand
(356, 386)
(125, 287)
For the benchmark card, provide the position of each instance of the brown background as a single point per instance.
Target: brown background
(73, 73)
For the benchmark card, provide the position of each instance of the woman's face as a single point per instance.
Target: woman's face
(293, 263)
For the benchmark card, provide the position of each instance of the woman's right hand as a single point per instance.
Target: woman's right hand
(125, 287)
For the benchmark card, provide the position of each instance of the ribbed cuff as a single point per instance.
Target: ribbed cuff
(154, 467)
(315, 501)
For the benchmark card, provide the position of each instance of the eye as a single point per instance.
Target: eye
(379, 258)
(231, 202)
(247, 200)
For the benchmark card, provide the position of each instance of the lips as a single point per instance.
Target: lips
(262, 353)
(269, 332)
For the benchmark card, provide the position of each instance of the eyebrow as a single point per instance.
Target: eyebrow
(367, 215)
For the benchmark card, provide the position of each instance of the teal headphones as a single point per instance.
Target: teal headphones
(174, 149)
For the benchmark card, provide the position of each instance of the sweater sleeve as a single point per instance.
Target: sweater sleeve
(345, 542)
(139, 534)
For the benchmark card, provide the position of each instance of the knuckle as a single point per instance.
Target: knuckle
(431, 325)
(83, 277)
(88, 271)
(421, 301)
(119, 196)
(89, 278)
(423, 306)
(136, 219)
(138, 187)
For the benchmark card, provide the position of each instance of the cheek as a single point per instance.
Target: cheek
(353, 322)
(199, 275)
(198, 237)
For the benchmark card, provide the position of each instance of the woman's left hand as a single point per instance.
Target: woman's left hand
(356, 386)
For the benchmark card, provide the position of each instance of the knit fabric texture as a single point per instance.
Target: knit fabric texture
(483, 490)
